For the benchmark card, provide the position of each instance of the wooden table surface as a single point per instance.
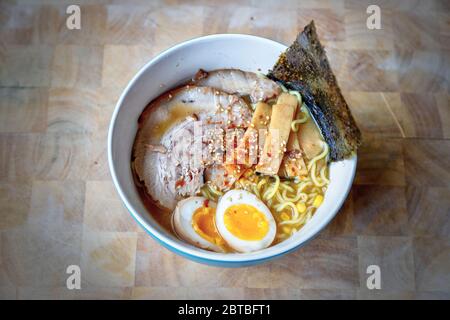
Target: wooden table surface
(58, 206)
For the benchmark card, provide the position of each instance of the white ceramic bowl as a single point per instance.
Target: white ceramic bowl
(169, 69)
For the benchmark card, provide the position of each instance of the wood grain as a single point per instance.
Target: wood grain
(58, 206)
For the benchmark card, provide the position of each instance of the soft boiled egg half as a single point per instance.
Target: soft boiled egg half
(244, 221)
(193, 221)
(240, 221)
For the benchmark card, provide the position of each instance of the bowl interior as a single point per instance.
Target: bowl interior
(170, 69)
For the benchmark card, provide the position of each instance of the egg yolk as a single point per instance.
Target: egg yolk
(204, 224)
(246, 222)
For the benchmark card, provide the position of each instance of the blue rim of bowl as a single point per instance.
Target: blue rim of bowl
(165, 241)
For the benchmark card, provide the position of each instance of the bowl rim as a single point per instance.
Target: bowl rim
(193, 253)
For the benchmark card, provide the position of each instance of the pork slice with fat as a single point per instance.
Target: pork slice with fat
(167, 153)
(243, 83)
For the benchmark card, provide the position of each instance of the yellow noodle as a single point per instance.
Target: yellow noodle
(303, 185)
(297, 94)
(279, 197)
(292, 205)
(315, 178)
(256, 191)
(287, 198)
(322, 155)
(295, 123)
(313, 164)
(271, 192)
(323, 175)
(205, 193)
(308, 215)
(296, 197)
(286, 186)
(215, 192)
(300, 220)
(298, 180)
(260, 184)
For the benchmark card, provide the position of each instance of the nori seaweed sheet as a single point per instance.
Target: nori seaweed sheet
(304, 67)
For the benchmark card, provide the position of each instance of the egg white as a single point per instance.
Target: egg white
(182, 223)
(236, 197)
